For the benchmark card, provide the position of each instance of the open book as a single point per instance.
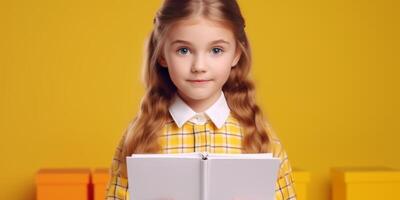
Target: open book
(202, 176)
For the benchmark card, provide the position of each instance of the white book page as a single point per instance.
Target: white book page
(239, 156)
(178, 155)
(252, 179)
(157, 178)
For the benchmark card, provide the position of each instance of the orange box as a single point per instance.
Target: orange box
(100, 180)
(301, 181)
(365, 183)
(63, 184)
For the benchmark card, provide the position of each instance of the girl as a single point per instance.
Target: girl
(198, 93)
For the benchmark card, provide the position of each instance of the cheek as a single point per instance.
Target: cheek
(176, 65)
(222, 74)
(177, 70)
(174, 73)
(179, 62)
(223, 67)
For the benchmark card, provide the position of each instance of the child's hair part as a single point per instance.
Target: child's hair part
(144, 130)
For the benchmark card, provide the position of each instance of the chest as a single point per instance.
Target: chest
(193, 137)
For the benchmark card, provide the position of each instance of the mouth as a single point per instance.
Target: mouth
(199, 81)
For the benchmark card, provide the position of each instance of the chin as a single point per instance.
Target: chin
(197, 96)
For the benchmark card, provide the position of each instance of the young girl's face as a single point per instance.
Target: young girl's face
(199, 55)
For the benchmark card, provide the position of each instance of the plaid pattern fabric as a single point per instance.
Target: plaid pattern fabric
(193, 137)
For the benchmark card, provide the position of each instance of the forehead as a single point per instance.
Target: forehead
(199, 32)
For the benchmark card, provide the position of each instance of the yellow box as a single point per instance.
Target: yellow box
(365, 183)
(100, 179)
(301, 180)
(63, 184)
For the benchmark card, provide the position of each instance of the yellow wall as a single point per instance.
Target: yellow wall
(326, 73)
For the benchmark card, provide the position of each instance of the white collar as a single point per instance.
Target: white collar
(181, 112)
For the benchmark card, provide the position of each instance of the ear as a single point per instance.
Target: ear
(162, 61)
(238, 53)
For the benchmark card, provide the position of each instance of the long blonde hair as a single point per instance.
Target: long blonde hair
(143, 133)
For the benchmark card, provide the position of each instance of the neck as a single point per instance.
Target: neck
(200, 105)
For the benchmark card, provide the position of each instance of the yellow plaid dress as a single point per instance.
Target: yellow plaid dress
(193, 137)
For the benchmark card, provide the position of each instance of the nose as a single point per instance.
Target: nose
(199, 64)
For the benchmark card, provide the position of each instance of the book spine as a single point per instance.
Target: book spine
(204, 175)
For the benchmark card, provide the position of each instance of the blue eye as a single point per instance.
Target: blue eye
(217, 50)
(183, 51)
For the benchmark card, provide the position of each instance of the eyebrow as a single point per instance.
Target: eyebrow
(211, 43)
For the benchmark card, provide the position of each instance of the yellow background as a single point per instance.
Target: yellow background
(327, 75)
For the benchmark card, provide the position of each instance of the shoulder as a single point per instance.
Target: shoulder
(232, 120)
(233, 126)
(118, 161)
(277, 147)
